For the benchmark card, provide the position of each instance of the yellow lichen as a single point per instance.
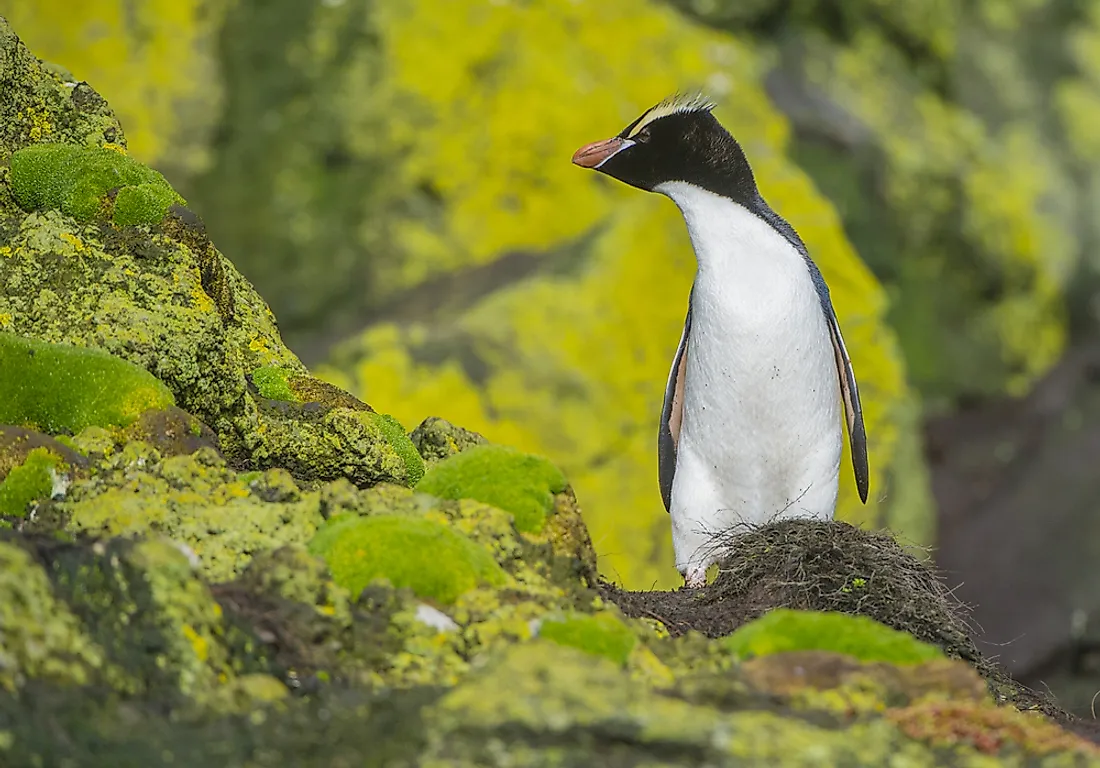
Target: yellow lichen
(72, 240)
(198, 642)
(39, 121)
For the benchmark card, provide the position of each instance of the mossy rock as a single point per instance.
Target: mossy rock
(171, 431)
(503, 477)
(196, 499)
(62, 388)
(296, 619)
(87, 182)
(131, 617)
(437, 439)
(782, 630)
(36, 106)
(323, 443)
(160, 295)
(41, 638)
(426, 556)
(33, 467)
(602, 634)
(399, 441)
(35, 479)
(274, 383)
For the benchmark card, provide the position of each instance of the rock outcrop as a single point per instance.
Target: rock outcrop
(209, 556)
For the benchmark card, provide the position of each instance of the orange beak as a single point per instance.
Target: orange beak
(595, 154)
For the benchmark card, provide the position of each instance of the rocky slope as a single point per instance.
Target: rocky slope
(209, 556)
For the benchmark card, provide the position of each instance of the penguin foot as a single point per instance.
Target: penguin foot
(695, 578)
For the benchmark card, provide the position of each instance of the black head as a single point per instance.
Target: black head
(676, 140)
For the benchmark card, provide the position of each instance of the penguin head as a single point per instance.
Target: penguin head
(677, 139)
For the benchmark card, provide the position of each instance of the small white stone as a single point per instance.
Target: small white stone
(61, 483)
(189, 553)
(434, 618)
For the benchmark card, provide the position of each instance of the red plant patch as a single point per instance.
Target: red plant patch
(986, 728)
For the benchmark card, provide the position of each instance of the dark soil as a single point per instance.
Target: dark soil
(832, 566)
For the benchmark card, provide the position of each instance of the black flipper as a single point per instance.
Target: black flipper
(668, 435)
(853, 410)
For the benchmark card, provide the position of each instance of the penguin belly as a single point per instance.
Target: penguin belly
(761, 432)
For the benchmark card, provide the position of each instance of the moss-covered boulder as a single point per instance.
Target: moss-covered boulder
(97, 252)
(134, 618)
(223, 516)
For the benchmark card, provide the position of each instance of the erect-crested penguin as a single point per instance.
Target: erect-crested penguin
(750, 429)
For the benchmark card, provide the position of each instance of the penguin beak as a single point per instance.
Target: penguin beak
(599, 152)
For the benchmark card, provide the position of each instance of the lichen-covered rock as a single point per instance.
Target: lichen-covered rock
(36, 107)
(537, 670)
(155, 63)
(41, 639)
(195, 499)
(438, 439)
(131, 617)
(171, 431)
(96, 251)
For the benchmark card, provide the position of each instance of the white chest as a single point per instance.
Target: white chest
(761, 430)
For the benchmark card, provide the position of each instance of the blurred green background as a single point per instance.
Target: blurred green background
(394, 177)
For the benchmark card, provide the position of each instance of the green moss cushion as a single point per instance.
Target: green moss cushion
(503, 477)
(430, 558)
(601, 634)
(865, 639)
(63, 388)
(77, 180)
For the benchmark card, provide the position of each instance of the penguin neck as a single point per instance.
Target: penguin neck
(724, 231)
(745, 255)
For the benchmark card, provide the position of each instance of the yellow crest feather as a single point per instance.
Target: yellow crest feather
(677, 102)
